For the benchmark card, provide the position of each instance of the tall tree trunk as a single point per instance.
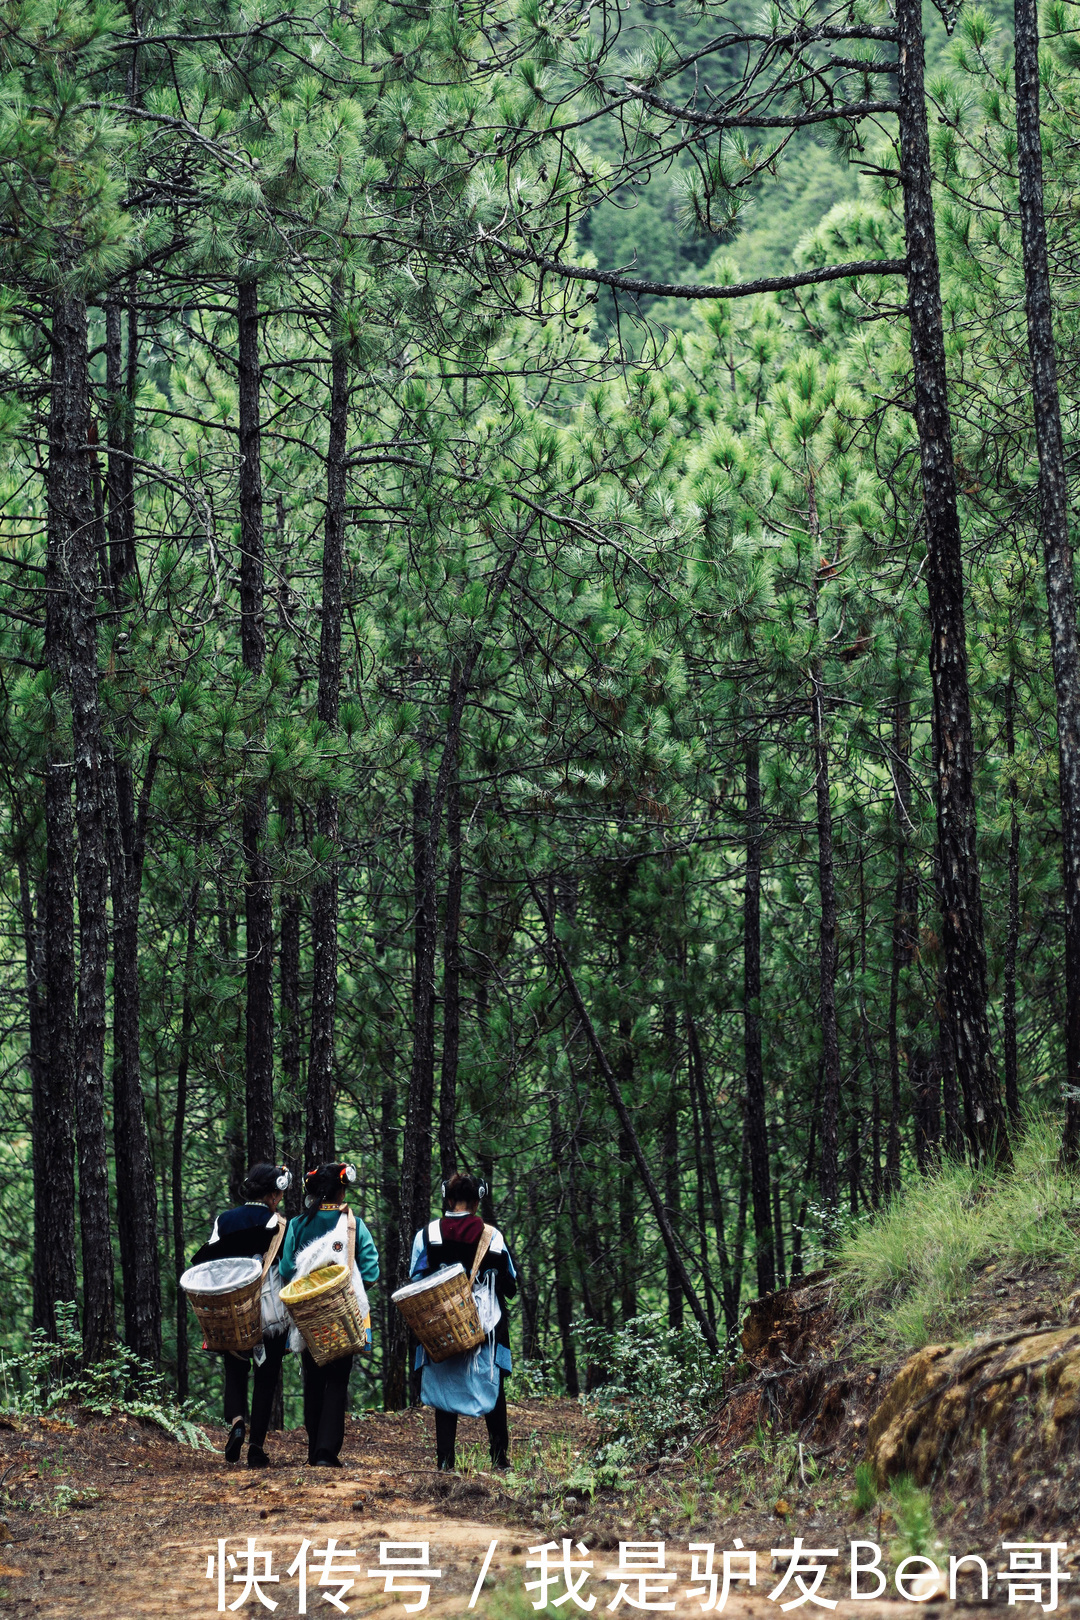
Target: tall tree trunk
(697, 1080)
(1012, 931)
(672, 1167)
(757, 1134)
(627, 1261)
(395, 1376)
(699, 1199)
(71, 509)
(560, 1152)
(54, 1241)
(258, 884)
(829, 1174)
(451, 1042)
(136, 1194)
(416, 1148)
(292, 1114)
(903, 934)
(1054, 515)
(415, 1194)
(963, 942)
(324, 911)
(179, 1138)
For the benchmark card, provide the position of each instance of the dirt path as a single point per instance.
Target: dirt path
(110, 1519)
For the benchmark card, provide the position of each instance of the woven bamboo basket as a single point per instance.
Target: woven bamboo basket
(230, 1318)
(327, 1312)
(441, 1311)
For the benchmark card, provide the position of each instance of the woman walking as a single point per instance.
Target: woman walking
(321, 1237)
(470, 1384)
(250, 1230)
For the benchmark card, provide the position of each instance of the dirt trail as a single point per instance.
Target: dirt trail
(136, 1543)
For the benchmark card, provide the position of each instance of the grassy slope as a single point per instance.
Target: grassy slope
(909, 1270)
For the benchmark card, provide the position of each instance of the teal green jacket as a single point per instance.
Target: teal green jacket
(309, 1229)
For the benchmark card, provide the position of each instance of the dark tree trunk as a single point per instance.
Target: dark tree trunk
(699, 1200)
(1054, 515)
(179, 1137)
(258, 882)
(560, 1152)
(627, 1211)
(451, 1042)
(54, 1241)
(829, 1174)
(672, 1167)
(71, 510)
(324, 911)
(963, 943)
(54, 1100)
(757, 1134)
(136, 1195)
(697, 1080)
(903, 930)
(1012, 931)
(415, 1194)
(292, 1115)
(395, 1375)
(416, 1147)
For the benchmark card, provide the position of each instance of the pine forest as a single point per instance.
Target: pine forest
(537, 637)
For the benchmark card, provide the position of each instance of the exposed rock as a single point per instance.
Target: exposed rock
(1024, 1381)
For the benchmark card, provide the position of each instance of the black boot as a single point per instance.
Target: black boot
(234, 1445)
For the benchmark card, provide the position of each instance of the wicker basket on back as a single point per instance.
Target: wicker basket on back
(326, 1310)
(440, 1309)
(226, 1296)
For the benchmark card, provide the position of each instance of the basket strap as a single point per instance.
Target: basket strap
(275, 1245)
(481, 1249)
(351, 1223)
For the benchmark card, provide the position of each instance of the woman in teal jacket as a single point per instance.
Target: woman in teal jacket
(317, 1238)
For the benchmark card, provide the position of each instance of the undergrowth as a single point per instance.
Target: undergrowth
(47, 1376)
(659, 1384)
(910, 1269)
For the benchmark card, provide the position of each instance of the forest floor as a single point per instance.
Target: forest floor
(109, 1517)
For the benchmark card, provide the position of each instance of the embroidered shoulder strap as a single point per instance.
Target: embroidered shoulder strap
(482, 1248)
(351, 1223)
(275, 1245)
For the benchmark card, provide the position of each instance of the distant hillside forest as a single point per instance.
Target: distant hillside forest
(537, 635)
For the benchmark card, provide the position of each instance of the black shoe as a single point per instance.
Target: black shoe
(257, 1457)
(234, 1445)
(446, 1467)
(323, 1459)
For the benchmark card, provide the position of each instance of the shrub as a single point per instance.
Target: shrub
(658, 1387)
(46, 1376)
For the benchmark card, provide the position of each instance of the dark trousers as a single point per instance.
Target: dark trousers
(326, 1390)
(497, 1428)
(264, 1386)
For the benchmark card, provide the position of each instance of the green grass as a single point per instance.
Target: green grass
(911, 1268)
(866, 1492)
(914, 1520)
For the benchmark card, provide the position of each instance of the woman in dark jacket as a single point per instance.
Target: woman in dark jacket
(242, 1232)
(471, 1384)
